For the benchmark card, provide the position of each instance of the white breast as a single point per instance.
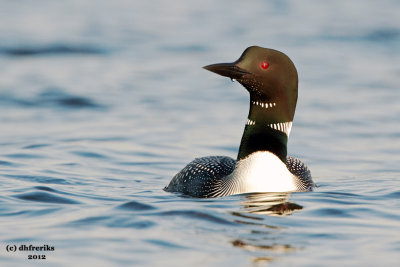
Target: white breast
(261, 172)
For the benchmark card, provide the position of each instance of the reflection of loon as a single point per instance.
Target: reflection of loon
(262, 164)
(269, 204)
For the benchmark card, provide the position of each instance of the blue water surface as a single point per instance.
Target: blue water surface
(102, 102)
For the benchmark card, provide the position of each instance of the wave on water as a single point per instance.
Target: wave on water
(37, 178)
(54, 49)
(45, 197)
(382, 35)
(51, 97)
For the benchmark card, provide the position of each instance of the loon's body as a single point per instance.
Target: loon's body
(262, 164)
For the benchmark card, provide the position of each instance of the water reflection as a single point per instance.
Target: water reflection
(271, 251)
(274, 204)
(264, 241)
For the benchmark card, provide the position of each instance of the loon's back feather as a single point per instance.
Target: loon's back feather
(300, 170)
(210, 177)
(202, 176)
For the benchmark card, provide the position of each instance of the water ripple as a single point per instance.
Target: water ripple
(113, 222)
(45, 197)
(135, 206)
(35, 146)
(64, 99)
(46, 188)
(38, 178)
(197, 215)
(25, 156)
(195, 48)
(7, 163)
(89, 154)
(164, 244)
(88, 220)
(392, 195)
(51, 97)
(56, 49)
(382, 35)
(333, 212)
(129, 222)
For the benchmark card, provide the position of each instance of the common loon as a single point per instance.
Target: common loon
(262, 163)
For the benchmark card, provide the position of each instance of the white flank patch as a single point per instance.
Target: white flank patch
(261, 172)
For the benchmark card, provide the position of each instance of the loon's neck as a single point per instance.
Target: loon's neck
(266, 130)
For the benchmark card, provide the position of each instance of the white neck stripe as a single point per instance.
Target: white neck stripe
(284, 127)
(250, 122)
(264, 104)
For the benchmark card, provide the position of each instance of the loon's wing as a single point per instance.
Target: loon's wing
(301, 171)
(203, 177)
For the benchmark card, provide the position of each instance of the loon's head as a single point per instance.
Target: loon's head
(271, 79)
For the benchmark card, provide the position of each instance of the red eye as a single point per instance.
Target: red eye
(264, 65)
